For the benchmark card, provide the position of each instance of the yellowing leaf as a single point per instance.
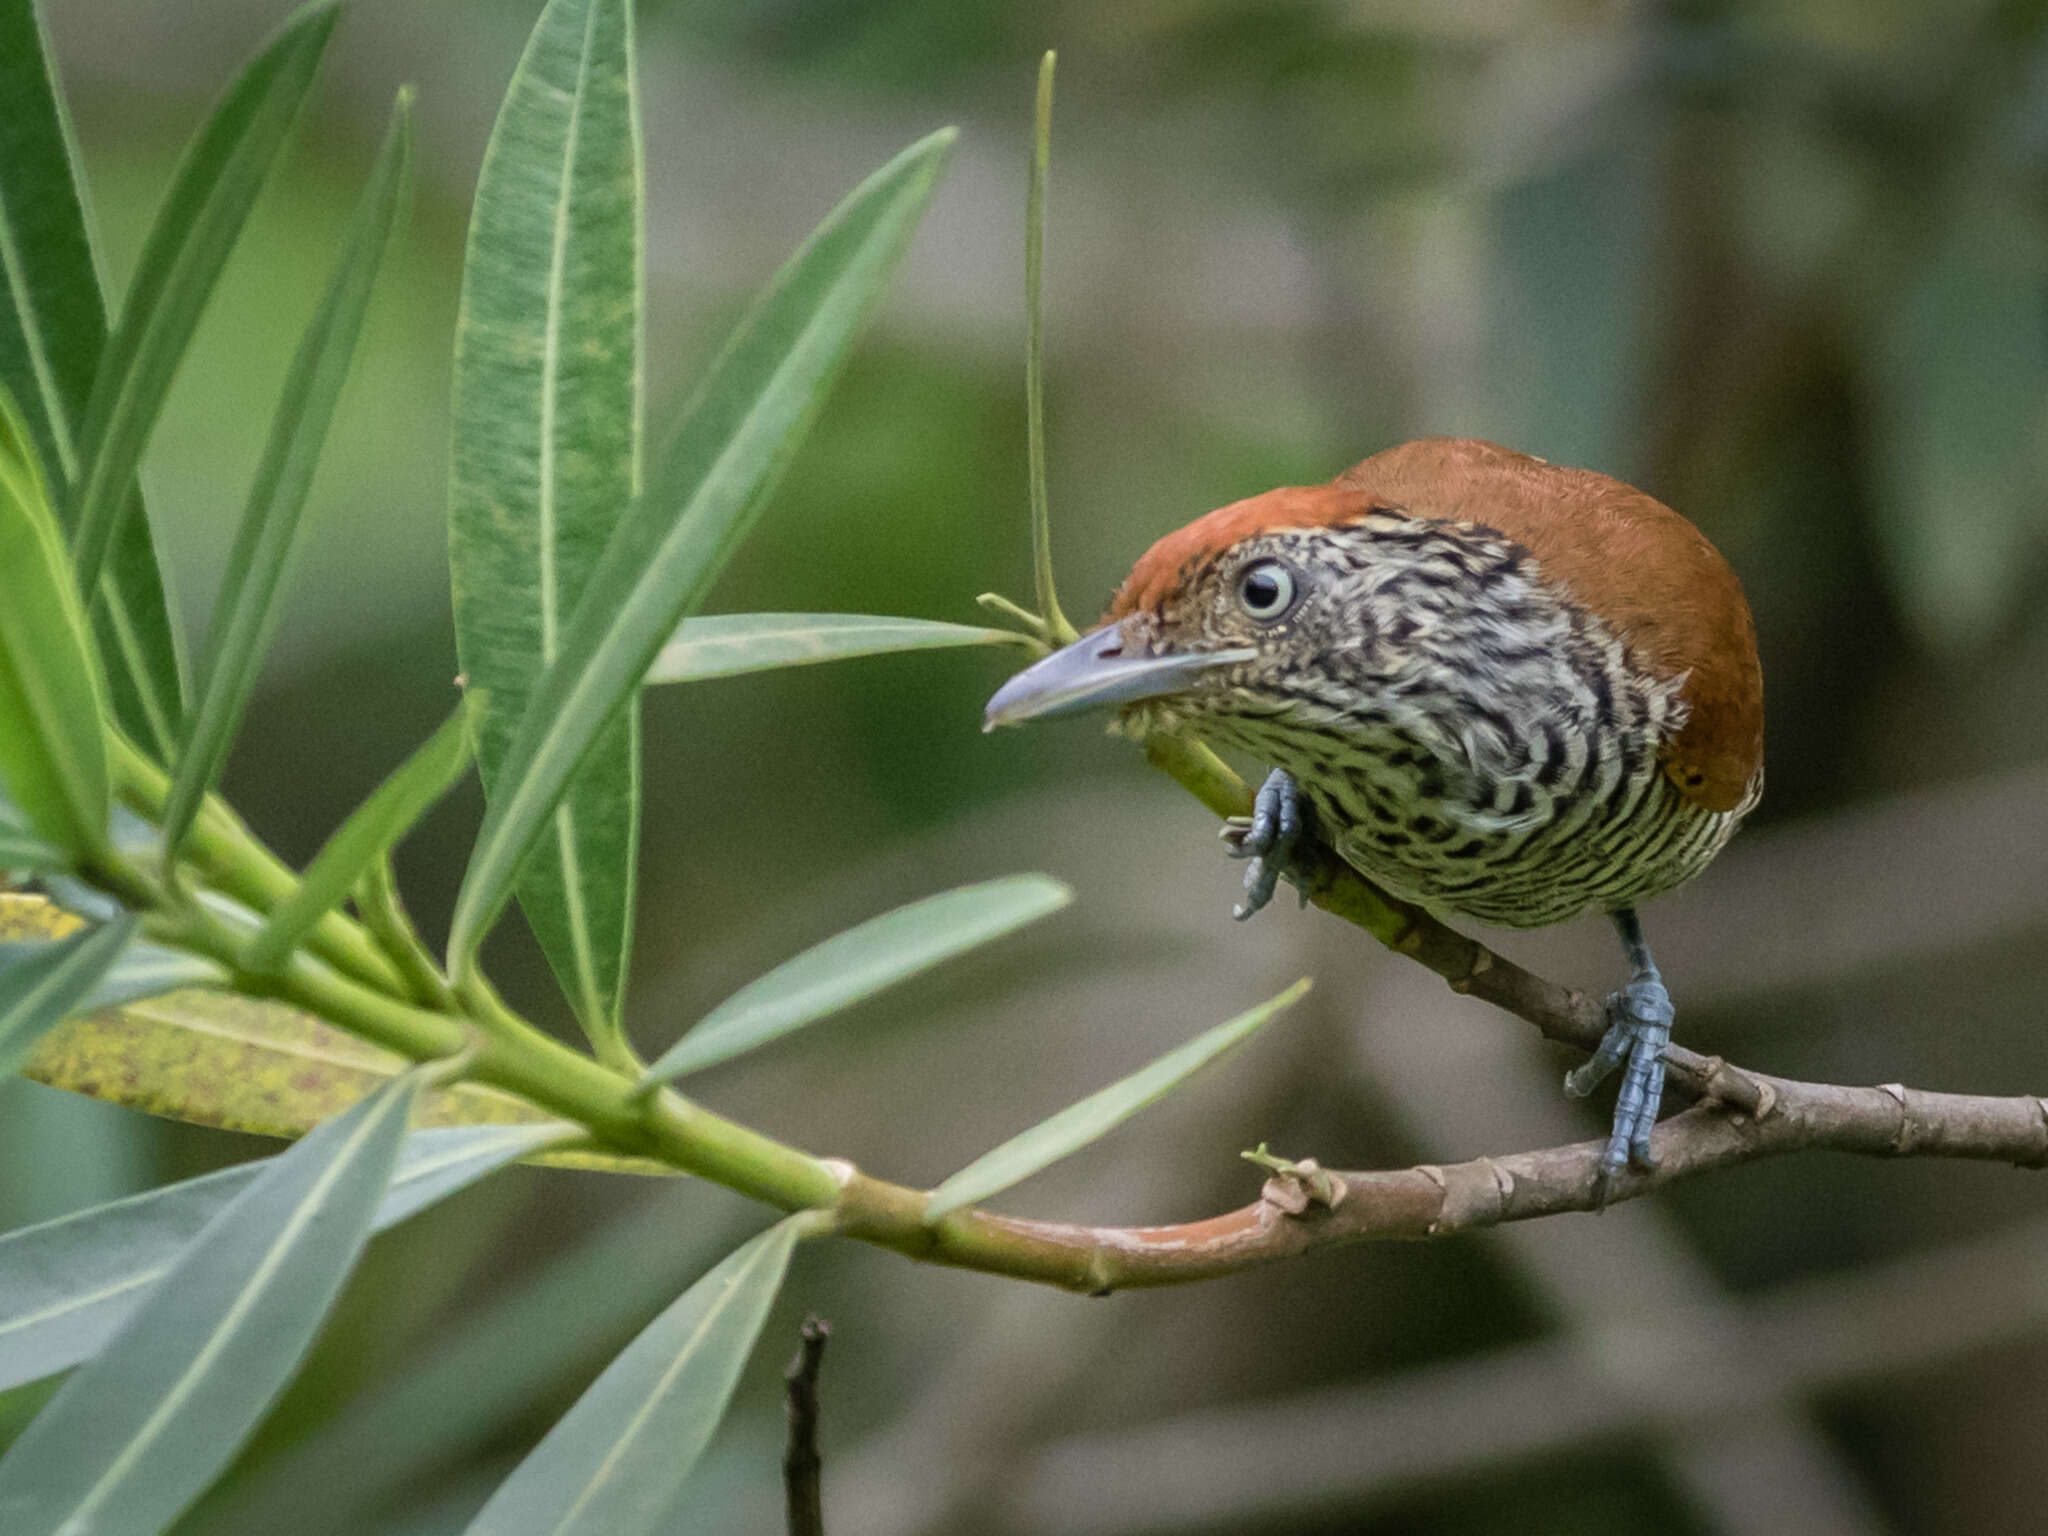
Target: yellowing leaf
(242, 1063)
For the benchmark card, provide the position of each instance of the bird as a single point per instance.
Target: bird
(1504, 690)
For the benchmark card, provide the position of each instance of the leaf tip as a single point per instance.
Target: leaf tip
(937, 144)
(316, 20)
(1057, 892)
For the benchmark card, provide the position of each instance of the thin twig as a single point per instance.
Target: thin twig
(800, 1463)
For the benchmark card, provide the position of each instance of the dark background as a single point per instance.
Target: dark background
(1781, 264)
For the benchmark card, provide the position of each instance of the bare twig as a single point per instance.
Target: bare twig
(800, 1463)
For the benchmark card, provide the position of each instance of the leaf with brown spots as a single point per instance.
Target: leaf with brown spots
(242, 1063)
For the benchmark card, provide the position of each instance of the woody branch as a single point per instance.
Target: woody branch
(1739, 1116)
(1303, 1207)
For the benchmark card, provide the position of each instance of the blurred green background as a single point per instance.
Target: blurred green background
(1784, 265)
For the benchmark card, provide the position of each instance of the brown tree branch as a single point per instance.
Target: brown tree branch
(1306, 1207)
(1739, 1116)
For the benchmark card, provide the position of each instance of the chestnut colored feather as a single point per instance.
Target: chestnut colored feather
(1645, 571)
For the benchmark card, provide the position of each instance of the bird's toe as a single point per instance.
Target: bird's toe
(1272, 839)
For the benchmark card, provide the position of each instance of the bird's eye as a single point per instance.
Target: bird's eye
(1267, 590)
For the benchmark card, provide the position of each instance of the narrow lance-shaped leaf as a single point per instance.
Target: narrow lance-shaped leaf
(751, 412)
(374, 828)
(67, 1285)
(1078, 1124)
(23, 851)
(20, 848)
(211, 193)
(145, 1425)
(1057, 629)
(144, 970)
(614, 1464)
(546, 453)
(53, 752)
(53, 328)
(848, 967)
(246, 613)
(462, 1391)
(735, 643)
(40, 989)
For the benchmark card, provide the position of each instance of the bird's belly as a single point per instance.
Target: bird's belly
(1548, 865)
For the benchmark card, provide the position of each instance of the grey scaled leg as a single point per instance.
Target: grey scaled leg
(1639, 1027)
(1277, 832)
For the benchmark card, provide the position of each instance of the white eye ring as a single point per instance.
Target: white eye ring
(1266, 590)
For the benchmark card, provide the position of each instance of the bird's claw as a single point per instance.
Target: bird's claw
(1273, 838)
(1638, 1029)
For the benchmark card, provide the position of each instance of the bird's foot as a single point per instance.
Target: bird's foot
(1275, 838)
(1639, 1019)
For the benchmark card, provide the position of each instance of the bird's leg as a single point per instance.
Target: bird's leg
(1273, 838)
(1638, 1028)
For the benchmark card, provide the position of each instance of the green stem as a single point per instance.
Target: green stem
(498, 1047)
(238, 863)
(514, 1055)
(384, 914)
(1057, 629)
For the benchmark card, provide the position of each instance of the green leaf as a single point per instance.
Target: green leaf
(220, 1059)
(53, 751)
(145, 1425)
(22, 851)
(747, 420)
(851, 966)
(546, 455)
(215, 185)
(613, 1465)
(460, 1391)
(67, 1285)
(376, 826)
(1079, 1124)
(146, 970)
(735, 643)
(40, 988)
(250, 590)
(53, 328)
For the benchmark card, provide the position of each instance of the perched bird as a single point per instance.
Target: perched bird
(1504, 690)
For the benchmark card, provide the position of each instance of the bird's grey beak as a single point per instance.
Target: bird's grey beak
(1094, 672)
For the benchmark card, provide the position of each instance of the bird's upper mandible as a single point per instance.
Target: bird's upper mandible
(1645, 572)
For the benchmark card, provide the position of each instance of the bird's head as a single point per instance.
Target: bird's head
(1221, 618)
